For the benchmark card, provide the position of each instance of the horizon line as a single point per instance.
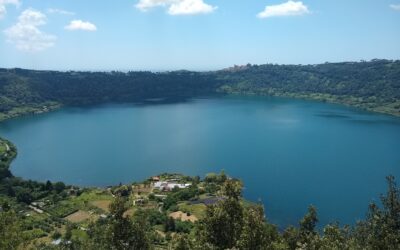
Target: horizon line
(192, 70)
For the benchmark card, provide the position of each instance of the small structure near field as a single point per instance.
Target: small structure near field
(37, 210)
(168, 186)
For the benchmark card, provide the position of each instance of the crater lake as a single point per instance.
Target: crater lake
(289, 153)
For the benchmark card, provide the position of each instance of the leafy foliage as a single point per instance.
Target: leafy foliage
(10, 227)
(373, 85)
(119, 232)
(229, 224)
(223, 221)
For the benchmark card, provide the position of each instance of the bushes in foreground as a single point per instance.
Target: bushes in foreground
(229, 224)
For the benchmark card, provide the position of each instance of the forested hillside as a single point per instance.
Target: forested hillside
(373, 85)
(27, 91)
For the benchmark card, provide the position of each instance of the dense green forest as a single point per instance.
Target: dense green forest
(373, 85)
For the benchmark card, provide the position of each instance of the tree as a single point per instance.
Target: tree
(4, 172)
(221, 178)
(169, 224)
(120, 226)
(222, 225)
(305, 237)
(391, 205)
(232, 189)
(68, 231)
(196, 180)
(49, 186)
(210, 177)
(59, 187)
(24, 195)
(119, 232)
(337, 238)
(5, 206)
(154, 217)
(256, 233)
(183, 226)
(309, 221)
(10, 230)
(381, 230)
(182, 242)
(307, 233)
(291, 237)
(124, 233)
(138, 236)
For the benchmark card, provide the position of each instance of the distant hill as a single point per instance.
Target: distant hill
(373, 85)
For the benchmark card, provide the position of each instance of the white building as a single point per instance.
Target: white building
(170, 185)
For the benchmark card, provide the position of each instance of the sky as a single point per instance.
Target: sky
(161, 35)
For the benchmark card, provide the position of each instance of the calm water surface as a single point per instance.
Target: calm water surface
(289, 153)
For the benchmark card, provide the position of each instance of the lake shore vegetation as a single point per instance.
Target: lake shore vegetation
(172, 211)
(369, 85)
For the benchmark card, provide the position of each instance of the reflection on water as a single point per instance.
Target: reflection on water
(333, 115)
(289, 153)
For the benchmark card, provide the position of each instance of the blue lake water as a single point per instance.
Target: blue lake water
(289, 153)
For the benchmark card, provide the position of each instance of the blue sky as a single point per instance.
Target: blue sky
(194, 34)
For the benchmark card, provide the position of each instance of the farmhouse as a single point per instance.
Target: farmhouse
(165, 185)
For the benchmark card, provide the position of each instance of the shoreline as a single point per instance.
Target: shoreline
(29, 110)
(347, 101)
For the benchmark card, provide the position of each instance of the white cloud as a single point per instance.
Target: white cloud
(290, 8)
(145, 5)
(190, 7)
(3, 3)
(395, 6)
(81, 25)
(3, 11)
(177, 7)
(26, 35)
(60, 11)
